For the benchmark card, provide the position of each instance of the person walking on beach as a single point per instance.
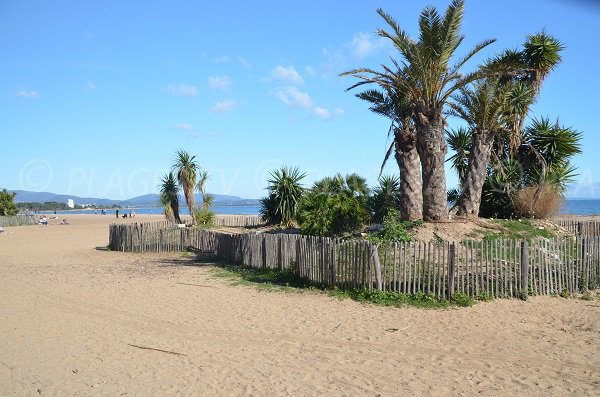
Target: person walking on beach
(117, 213)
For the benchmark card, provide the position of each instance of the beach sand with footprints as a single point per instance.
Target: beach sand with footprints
(77, 320)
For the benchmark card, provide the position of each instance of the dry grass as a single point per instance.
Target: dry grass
(537, 202)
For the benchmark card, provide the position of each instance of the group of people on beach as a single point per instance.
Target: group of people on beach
(125, 215)
(43, 220)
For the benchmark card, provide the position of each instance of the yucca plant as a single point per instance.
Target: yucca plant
(169, 196)
(186, 169)
(285, 192)
(204, 216)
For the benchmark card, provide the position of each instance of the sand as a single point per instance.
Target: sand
(70, 315)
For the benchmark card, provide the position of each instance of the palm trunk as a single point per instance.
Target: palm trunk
(175, 208)
(189, 199)
(431, 145)
(470, 199)
(411, 195)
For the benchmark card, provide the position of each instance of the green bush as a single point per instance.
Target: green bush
(7, 204)
(335, 206)
(204, 216)
(463, 300)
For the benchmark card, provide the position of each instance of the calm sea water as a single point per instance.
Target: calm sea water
(575, 207)
(224, 210)
(581, 207)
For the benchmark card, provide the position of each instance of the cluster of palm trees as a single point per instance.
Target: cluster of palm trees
(187, 176)
(417, 93)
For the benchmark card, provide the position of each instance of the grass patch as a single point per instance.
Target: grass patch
(523, 229)
(287, 281)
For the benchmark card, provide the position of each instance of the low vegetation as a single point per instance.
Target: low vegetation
(286, 280)
(521, 229)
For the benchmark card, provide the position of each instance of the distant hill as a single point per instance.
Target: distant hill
(147, 200)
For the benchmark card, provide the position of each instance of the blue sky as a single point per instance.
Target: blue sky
(96, 96)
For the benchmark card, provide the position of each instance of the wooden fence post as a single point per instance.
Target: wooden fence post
(377, 266)
(451, 265)
(582, 274)
(524, 270)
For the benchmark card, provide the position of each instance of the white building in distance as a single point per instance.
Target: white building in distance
(70, 203)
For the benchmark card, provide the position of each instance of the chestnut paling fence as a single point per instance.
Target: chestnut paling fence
(18, 220)
(496, 268)
(583, 228)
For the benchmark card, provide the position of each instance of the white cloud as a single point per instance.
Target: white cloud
(88, 35)
(220, 83)
(326, 114)
(322, 113)
(293, 97)
(287, 74)
(182, 89)
(224, 106)
(91, 86)
(364, 44)
(309, 70)
(28, 94)
(183, 127)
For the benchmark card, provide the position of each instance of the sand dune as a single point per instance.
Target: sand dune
(71, 317)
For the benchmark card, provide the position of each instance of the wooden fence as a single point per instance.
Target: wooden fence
(18, 220)
(498, 268)
(238, 220)
(583, 228)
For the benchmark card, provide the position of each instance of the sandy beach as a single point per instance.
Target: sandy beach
(78, 321)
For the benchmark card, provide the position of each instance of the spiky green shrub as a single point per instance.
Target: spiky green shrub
(280, 207)
(385, 198)
(335, 206)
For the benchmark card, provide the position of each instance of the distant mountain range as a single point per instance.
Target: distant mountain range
(147, 200)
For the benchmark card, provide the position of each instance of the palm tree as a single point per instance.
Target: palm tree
(482, 107)
(393, 106)
(428, 80)
(186, 169)
(169, 196)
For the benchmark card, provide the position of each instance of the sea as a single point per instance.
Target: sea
(573, 207)
(221, 210)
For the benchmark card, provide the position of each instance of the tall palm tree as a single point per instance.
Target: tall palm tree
(169, 196)
(482, 107)
(390, 104)
(428, 80)
(186, 169)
